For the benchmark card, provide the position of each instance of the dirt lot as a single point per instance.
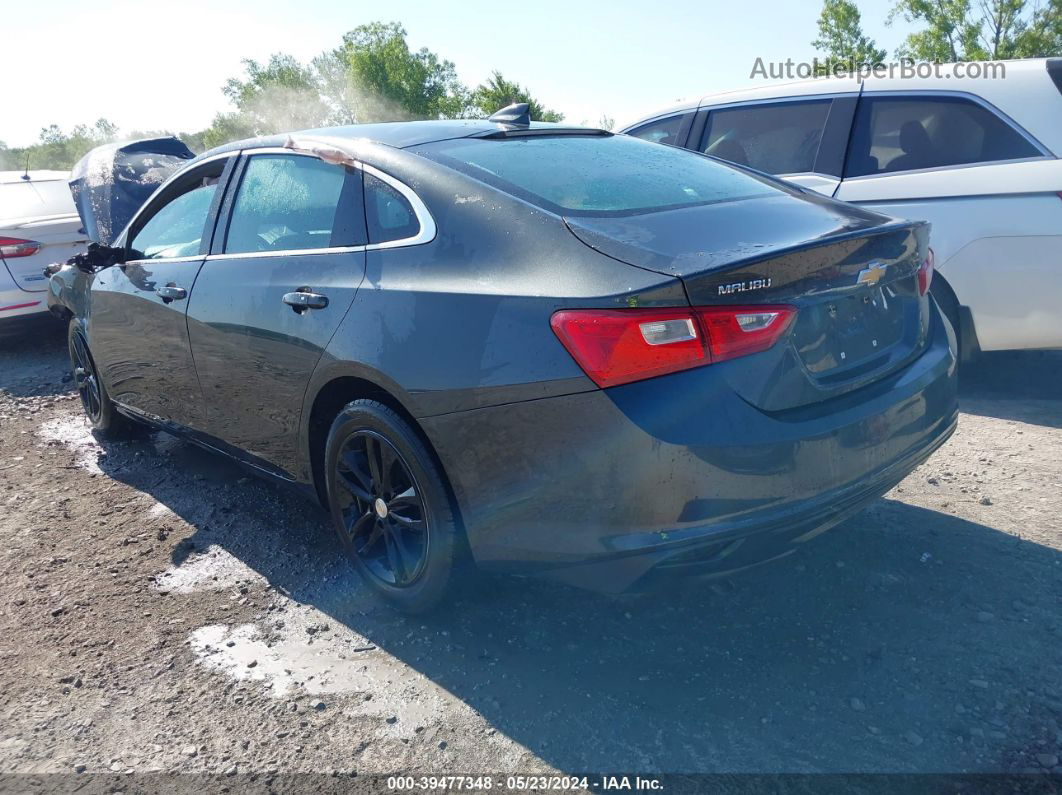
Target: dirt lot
(162, 611)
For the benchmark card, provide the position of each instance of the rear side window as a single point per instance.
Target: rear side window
(904, 133)
(663, 131)
(177, 228)
(596, 174)
(387, 213)
(293, 202)
(778, 137)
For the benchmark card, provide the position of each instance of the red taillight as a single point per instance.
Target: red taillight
(740, 330)
(617, 346)
(925, 273)
(11, 247)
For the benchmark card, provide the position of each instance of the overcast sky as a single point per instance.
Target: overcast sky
(149, 66)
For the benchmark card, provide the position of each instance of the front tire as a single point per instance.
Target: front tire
(100, 410)
(390, 507)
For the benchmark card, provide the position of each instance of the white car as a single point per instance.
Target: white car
(39, 225)
(978, 158)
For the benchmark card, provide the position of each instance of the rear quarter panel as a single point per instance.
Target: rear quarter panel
(60, 238)
(463, 321)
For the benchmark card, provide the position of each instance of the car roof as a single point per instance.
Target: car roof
(399, 134)
(1011, 94)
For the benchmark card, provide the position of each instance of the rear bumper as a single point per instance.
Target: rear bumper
(679, 475)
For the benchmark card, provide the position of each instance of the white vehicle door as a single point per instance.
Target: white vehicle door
(989, 190)
(820, 183)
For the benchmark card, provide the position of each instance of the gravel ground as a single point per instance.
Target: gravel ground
(162, 611)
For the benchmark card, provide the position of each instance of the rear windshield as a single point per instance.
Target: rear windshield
(26, 199)
(596, 174)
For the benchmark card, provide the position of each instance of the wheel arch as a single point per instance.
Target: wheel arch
(958, 315)
(328, 397)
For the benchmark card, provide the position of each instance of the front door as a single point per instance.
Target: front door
(269, 300)
(136, 323)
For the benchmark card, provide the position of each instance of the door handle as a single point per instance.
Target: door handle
(171, 292)
(302, 299)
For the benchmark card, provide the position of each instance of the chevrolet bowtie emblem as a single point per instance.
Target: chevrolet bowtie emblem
(872, 274)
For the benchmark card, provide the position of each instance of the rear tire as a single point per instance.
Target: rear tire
(390, 507)
(96, 402)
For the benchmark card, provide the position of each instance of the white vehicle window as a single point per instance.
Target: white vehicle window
(777, 137)
(662, 131)
(176, 230)
(904, 133)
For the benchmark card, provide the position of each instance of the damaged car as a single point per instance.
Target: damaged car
(539, 348)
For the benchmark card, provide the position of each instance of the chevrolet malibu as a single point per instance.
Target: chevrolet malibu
(540, 348)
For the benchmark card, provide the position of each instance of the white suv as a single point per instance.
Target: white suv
(39, 225)
(978, 158)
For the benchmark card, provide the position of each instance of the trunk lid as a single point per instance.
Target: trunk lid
(851, 274)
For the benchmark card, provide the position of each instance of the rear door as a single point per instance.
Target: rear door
(283, 273)
(801, 140)
(136, 319)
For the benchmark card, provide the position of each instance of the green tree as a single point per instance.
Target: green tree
(844, 45)
(957, 30)
(497, 92)
(374, 76)
(1043, 34)
(58, 149)
(281, 94)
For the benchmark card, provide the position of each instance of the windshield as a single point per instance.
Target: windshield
(596, 174)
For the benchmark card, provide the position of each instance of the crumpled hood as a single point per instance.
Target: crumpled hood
(112, 181)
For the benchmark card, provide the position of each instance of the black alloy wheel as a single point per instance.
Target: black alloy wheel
(384, 515)
(85, 377)
(391, 508)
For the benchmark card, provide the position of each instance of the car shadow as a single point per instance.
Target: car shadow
(1014, 385)
(904, 640)
(34, 361)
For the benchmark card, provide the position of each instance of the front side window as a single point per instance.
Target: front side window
(596, 174)
(177, 228)
(777, 137)
(905, 133)
(292, 202)
(662, 131)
